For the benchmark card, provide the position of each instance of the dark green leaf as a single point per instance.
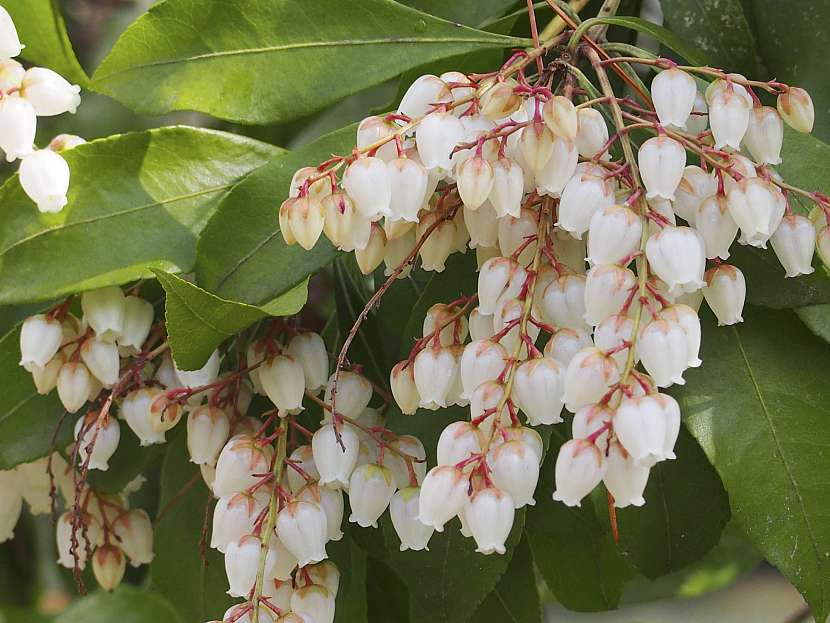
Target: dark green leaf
(470, 12)
(758, 407)
(386, 595)
(27, 419)
(136, 201)
(817, 319)
(805, 160)
(351, 604)
(198, 321)
(177, 572)
(41, 29)
(515, 598)
(128, 604)
(260, 62)
(572, 547)
(685, 512)
(241, 255)
(767, 286)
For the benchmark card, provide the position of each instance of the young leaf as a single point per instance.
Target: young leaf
(136, 201)
(758, 407)
(198, 321)
(261, 62)
(128, 604)
(515, 598)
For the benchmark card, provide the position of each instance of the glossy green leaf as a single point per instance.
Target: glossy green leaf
(767, 286)
(260, 62)
(136, 201)
(198, 321)
(177, 571)
(805, 161)
(685, 512)
(758, 408)
(386, 596)
(470, 12)
(817, 319)
(42, 30)
(27, 419)
(515, 599)
(241, 255)
(128, 604)
(572, 547)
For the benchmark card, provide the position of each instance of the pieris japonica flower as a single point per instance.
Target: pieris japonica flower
(725, 293)
(508, 187)
(283, 380)
(539, 386)
(489, 514)
(97, 441)
(588, 377)
(101, 359)
(238, 463)
(314, 603)
(536, 144)
(764, 135)
(612, 333)
(499, 279)
(794, 242)
(40, 338)
(408, 181)
(437, 247)
(475, 179)
(234, 516)
(592, 134)
(757, 207)
(335, 460)
(823, 245)
(44, 176)
(301, 526)
(443, 495)
(515, 469)
(10, 45)
(370, 257)
(108, 566)
(353, 393)
(729, 117)
(309, 350)
(524, 434)
(678, 257)
(404, 390)
(135, 536)
(331, 501)
(11, 74)
(624, 478)
(373, 129)
(664, 352)
(436, 137)
(301, 220)
(343, 224)
(591, 420)
(85, 539)
(242, 564)
(46, 377)
(561, 117)
(579, 468)
(49, 93)
(552, 177)
(243, 613)
(796, 108)
(699, 119)
(563, 302)
(425, 92)
(687, 319)
(137, 412)
(325, 574)
(458, 441)
(607, 287)
(12, 503)
(674, 92)
(566, 343)
(716, 226)
(435, 371)
(695, 186)
(208, 428)
(399, 466)
(661, 160)
(371, 488)
(583, 195)
(647, 427)
(74, 385)
(499, 99)
(613, 234)
(404, 510)
(301, 184)
(482, 225)
(18, 123)
(104, 312)
(514, 233)
(138, 320)
(34, 483)
(366, 181)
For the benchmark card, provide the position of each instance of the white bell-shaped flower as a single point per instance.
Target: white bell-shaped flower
(725, 293)
(765, 135)
(677, 255)
(458, 442)
(647, 427)
(480, 325)
(104, 312)
(588, 377)
(44, 176)
(536, 145)
(302, 458)
(18, 124)
(582, 196)
(347, 228)
(514, 233)
(331, 501)
(563, 302)
(366, 181)
(699, 119)
(334, 461)
(510, 312)
(664, 351)
(283, 381)
(613, 234)
(560, 167)
(436, 137)
(794, 242)
(489, 514)
(561, 117)
(99, 442)
(325, 574)
(716, 226)
(422, 95)
(40, 339)
(85, 539)
(499, 99)
(566, 343)
(208, 428)
(238, 464)
(138, 320)
(134, 531)
(137, 412)
(318, 189)
(453, 328)
(515, 469)
(437, 247)
(408, 181)
(46, 377)
(694, 187)
(11, 74)
(310, 351)
(12, 506)
(757, 207)
(74, 385)
(443, 495)
(796, 108)
(303, 218)
(482, 360)
(538, 390)
(591, 421)
(406, 445)
(508, 187)
(373, 129)
(739, 167)
(607, 288)
(49, 93)
(611, 335)
(371, 256)
(396, 251)
(661, 160)
(234, 516)
(729, 118)
(301, 526)
(242, 564)
(484, 404)
(101, 359)
(435, 370)
(579, 468)
(482, 225)
(354, 392)
(499, 279)
(371, 488)
(592, 135)
(475, 180)
(673, 92)
(404, 390)
(404, 510)
(243, 613)
(314, 603)
(624, 478)
(10, 45)
(688, 320)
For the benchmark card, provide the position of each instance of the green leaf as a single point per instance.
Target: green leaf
(686, 510)
(386, 596)
(128, 604)
(198, 321)
(136, 201)
(767, 286)
(261, 62)
(42, 30)
(721, 31)
(241, 255)
(572, 547)
(351, 606)
(515, 598)
(177, 572)
(758, 408)
(817, 319)
(805, 161)
(470, 12)
(27, 419)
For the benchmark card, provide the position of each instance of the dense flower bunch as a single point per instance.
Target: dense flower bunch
(25, 95)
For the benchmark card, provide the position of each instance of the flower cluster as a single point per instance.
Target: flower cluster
(25, 95)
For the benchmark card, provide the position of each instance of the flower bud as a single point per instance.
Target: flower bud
(101, 359)
(592, 134)
(677, 256)
(757, 207)
(408, 181)
(457, 442)
(579, 468)
(343, 225)
(437, 247)
(499, 279)
(536, 144)
(335, 459)
(207, 431)
(10, 45)
(539, 386)
(515, 470)
(104, 312)
(74, 385)
(309, 350)
(366, 181)
(18, 124)
(716, 226)
(422, 95)
(565, 343)
(662, 161)
(108, 565)
(435, 370)
(303, 458)
(353, 393)
(234, 516)
(499, 99)
(624, 478)
(304, 217)
(44, 176)
(725, 292)
(99, 441)
(242, 564)
(135, 536)
(582, 196)
(475, 181)
(508, 187)
(436, 137)
(796, 108)
(674, 92)
(443, 495)
(314, 603)
(482, 360)
(561, 117)
(613, 235)
(283, 380)
(729, 118)
(40, 338)
(301, 526)
(563, 302)
(588, 377)
(49, 93)
(238, 464)
(137, 412)
(794, 242)
(695, 186)
(371, 488)
(404, 390)
(138, 320)
(764, 135)
(404, 510)
(489, 514)
(607, 288)
(687, 319)
(664, 351)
